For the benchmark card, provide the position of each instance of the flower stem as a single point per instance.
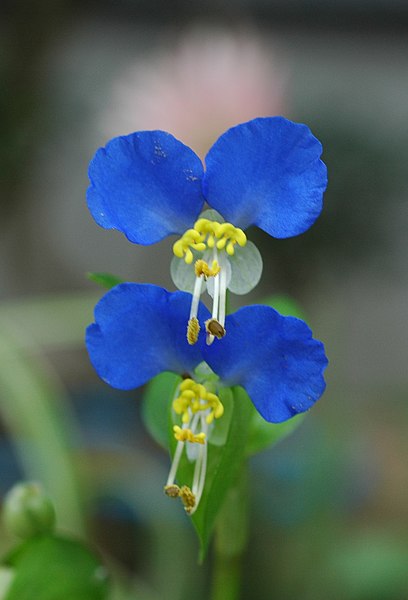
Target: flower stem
(231, 534)
(227, 578)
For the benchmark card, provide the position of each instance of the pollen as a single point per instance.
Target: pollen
(215, 328)
(193, 329)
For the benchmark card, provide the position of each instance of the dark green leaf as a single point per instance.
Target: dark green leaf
(47, 567)
(106, 280)
(157, 400)
(263, 434)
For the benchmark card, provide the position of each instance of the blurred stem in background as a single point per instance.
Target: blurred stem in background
(33, 401)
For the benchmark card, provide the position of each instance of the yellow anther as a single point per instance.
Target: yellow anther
(207, 234)
(193, 329)
(188, 498)
(230, 247)
(189, 257)
(192, 235)
(202, 268)
(225, 229)
(178, 248)
(200, 247)
(187, 384)
(205, 226)
(240, 237)
(194, 397)
(186, 435)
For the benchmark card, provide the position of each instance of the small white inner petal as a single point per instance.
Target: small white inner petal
(246, 268)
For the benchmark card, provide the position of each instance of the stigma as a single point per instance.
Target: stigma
(216, 241)
(197, 408)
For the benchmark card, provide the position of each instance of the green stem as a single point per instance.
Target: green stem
(227, 575)
(231, 535)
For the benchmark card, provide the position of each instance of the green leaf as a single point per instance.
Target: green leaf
(54, 568)
(262, 434)
(157, 400)
(106, 280)
(224, 464)
(285, 306)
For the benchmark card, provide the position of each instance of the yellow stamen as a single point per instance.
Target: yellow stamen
(202, 268)
(186, 435)
(194, 397)
(207, 234)
(188, 498)
(193, 329)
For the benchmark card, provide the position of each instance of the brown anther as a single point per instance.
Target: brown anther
(215, 328)
(173, 491)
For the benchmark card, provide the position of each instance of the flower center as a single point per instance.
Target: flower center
(210, 237)
(198, 407)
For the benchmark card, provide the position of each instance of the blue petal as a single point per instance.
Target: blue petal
(140, 331)
(268, 173)
(274, 358)
(147, 185)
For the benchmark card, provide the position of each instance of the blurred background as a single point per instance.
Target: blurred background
(329, 504)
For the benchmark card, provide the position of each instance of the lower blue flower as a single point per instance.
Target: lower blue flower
(139, 332)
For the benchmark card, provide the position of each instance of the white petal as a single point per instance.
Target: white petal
(211, 215)
(183, 275)
(246, 268)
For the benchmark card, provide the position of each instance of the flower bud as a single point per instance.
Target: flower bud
(27, 510)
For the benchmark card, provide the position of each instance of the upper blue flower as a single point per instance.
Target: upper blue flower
(139, 331)
(266, 172)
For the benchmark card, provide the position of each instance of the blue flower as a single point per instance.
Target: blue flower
(266, 172)
(139, 332)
